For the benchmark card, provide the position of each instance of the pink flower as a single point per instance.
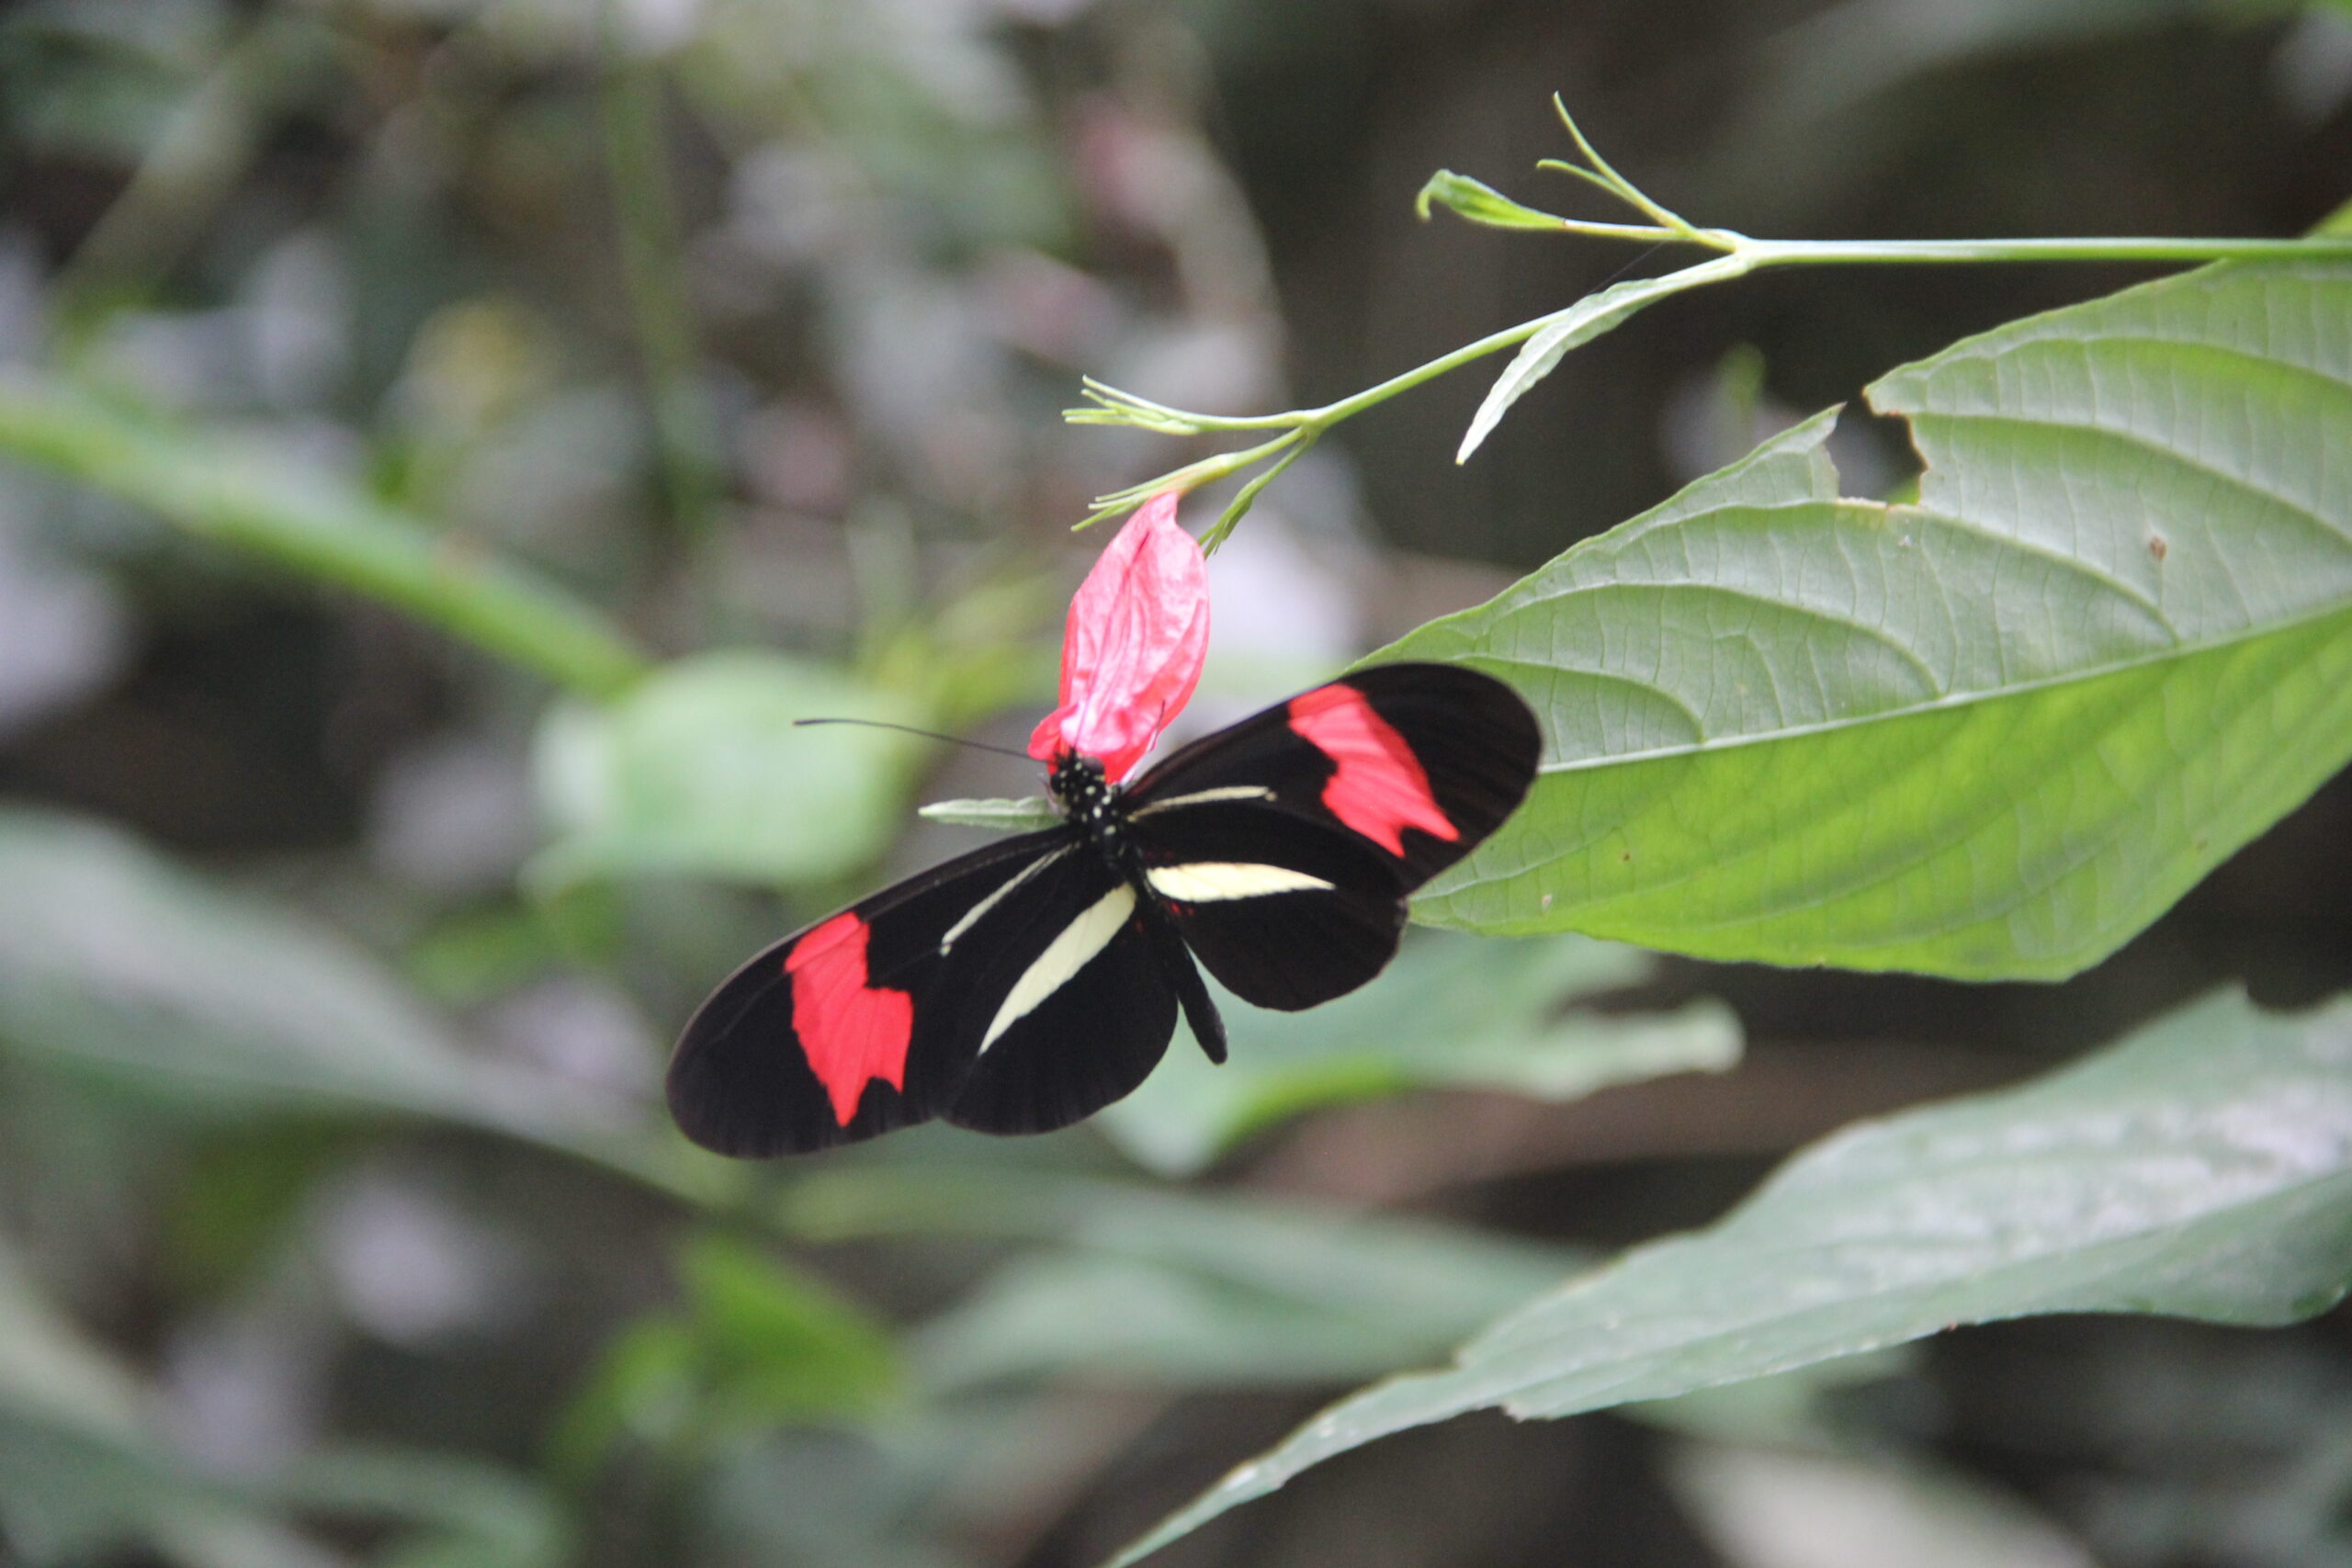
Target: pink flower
(1139, 629)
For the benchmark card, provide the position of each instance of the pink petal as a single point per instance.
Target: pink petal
(1139, 629)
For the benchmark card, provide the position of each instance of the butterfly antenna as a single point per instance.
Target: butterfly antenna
(911, 729)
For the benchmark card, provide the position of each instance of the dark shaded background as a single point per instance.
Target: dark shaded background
(386, 235)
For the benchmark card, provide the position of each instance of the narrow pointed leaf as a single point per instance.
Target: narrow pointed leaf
(1588, 318)
(1480, 203)
(1023, 816)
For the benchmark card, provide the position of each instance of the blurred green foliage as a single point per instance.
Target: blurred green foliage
(670, 371)
(757, 1347)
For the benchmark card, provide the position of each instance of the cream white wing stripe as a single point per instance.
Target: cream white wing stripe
(1203, 797)
(1208, 881)
(1064, 957)
(972, 915)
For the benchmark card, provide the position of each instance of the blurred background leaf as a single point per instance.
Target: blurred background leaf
(1451, 1013)
(268, 502)
(84, 1471)
(1147, 1291)
(757, 1347)
(1767, 1509)
(117, 960)
(117, 963)
(700, 770)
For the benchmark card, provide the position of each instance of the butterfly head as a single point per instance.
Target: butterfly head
(1087, 798)
(1077, 783)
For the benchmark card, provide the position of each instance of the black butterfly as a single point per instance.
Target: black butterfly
(1027, 984)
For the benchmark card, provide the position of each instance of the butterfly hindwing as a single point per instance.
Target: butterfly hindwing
(1420, 762)
(1073, 1012)
(833, 1034)
(1283, 908)
(1284, 847)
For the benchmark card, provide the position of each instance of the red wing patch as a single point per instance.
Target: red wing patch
(1379, 788)
(852, 1033)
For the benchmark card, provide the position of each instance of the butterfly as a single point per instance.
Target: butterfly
(1025, 985)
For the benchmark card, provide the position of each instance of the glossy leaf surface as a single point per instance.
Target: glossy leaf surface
(1992, 734)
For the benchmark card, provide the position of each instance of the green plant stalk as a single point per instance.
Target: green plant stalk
(685, 431)
(1786, 253)
(1322, 419)
(262, 503)
(1249, 494)
(1752, 256)
(1191, 475)
(1738, 255)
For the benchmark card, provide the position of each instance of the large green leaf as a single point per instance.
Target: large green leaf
(1994, 734)
(2202, 1168)
(1452, 1012)
(700, 770)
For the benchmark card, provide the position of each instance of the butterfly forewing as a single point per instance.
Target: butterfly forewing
(1420, 762)
(1071, 1012)
(845, 1030)
(1284, 846)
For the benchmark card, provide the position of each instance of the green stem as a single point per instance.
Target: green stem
(1330, 414)
(1550, 336)
(1191, 476)
(1787, 253)
(1241, 503)
(1599, 172)
(1758, 254)
(264, 503)
(1737, 255)
(1116, 407)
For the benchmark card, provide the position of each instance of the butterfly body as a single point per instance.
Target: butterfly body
(1025, 985)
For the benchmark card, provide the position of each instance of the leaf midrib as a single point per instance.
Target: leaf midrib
(1948, 702)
